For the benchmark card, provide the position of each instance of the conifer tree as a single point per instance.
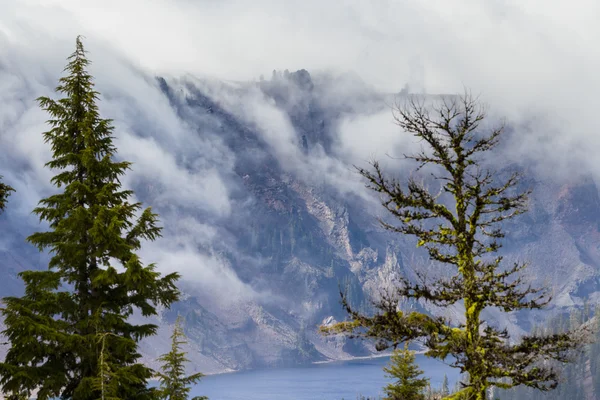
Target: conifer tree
(107, 381)
(460, 226)
(405, 371)
(174, 385)
(54, 329)
(445, 390)
(429, 392)
(4, 193)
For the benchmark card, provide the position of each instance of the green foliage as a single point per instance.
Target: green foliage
(107, 381)
(174, 385)
(4, 193)
(459, 225)
(407, 384)
(54, 329)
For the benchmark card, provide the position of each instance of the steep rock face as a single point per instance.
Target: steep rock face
(295, 240)
(318, 240)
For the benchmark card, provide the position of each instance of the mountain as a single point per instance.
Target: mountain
(266, 245)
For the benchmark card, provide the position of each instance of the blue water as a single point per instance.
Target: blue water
(333, 381)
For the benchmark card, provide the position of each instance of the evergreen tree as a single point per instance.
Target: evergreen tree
(445, 391)
(54, 329)
(457, 387)
(460, 226)
(408, 385)
(107, 381)
(4, 193)
(586, 310)
(174, 385)
(429, 392)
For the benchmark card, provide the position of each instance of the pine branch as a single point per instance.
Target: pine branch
(4, 193)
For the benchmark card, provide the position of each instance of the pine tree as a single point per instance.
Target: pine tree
(107, 381)
(429, 392)
(407, 385)
(4, 193)
(54, 329)
(460, 227)
(445, 391)
(457, 387)
(174, 385)
(586, 310)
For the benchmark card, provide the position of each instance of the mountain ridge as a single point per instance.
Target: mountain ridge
(299, 225)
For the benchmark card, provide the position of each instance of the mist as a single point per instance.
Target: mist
(534, 63)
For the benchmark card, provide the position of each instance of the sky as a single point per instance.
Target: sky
(534, 57)
(533, 62)
(536, 45)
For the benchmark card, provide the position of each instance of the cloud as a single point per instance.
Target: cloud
(522, 56)
(534, 62)
(364, 138)
(271, 123)
(174, 184)
(178, 166)
(186, 248)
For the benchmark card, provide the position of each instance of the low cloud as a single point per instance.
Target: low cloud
(534, 63)
(534, 57)
(186, 248)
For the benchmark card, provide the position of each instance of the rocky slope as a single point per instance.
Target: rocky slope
(297, 232)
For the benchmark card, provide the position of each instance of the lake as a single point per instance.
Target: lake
(331, 381)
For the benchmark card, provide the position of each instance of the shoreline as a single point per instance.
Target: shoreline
(330, 361)
(352, 358)
(302, 365)
(420, 352)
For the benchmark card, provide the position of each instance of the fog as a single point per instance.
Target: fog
(534, 63)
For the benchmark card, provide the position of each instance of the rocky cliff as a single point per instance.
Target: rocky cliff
(299, 225)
